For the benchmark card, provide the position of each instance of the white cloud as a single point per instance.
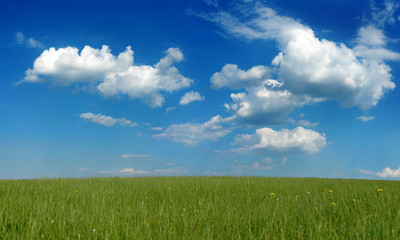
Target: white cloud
(235, 78)
(146, 82)
(385, 173)
(132, 171)
(115, 75)
(190, 97)
(127, 156)
(389, 173)
(193, 133)
(366, 118)
(285, 140)
(383, 14)
(157, 129)
(20, 38)
(265, 105)
(303, 123)
(213, 3)
(106, 120)
(318, 68)
(156, 172)
(83, 169)
(265, 164)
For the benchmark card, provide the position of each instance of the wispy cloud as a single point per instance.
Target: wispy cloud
(127, 156)
(21, 39)
(365, 118)
(156, 172)
(106, 120)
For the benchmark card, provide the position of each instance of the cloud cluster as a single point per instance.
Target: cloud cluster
(190, 97)
(114, 75)
(285, 140)
(308, 69)
(193, 133)
(106, 120)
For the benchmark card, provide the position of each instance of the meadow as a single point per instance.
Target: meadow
(199, 208)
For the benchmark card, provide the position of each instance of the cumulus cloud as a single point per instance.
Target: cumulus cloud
(285, 140)
(385, 173)
(235, 78)
(193, 133)
(127, 156)
(114, 75)
(265, 105)
(157, 128)
(389, 173)
(190, 97)
(20, 38)
(307, 65)
(106, 120)
(366, 118)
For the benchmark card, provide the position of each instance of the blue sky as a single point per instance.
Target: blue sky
(138, 88)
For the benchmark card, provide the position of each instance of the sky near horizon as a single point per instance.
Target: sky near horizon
(205, 87)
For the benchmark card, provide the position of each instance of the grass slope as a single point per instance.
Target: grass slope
(199, 208)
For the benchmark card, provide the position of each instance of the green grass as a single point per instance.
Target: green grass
(199, 208)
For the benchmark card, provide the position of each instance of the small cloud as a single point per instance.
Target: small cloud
(212, 3)
(106, 120)
(284, 160)
(157, 129)
(127, 156)
(20, 38)
(303, 123)
(132, 171)
(389, 173)
(385, 173)
(190, 97)
(365, 118)
(83, 169)
(170, 164)
(170, 109)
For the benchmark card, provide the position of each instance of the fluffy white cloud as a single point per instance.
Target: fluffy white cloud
(385, 173)
(193, 133)
(106, 120)
(191, 97)
(127, 156)
(285, 140)
(318, 68)
(114, 75)
(265, 105)
(366, 118)
(157, 129)
(389, 173)
(235, 78)
(65, 66)
(146, 82)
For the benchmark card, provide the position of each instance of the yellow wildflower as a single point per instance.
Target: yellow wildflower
(380, 190)
(330, 191)
(169, 188)
(333, 204)
(76, 190)
(272, 194)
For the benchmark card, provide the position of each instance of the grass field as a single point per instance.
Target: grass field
(199, 208)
